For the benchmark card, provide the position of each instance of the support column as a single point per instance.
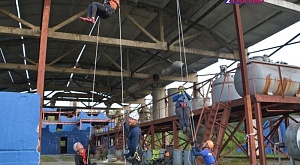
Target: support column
(42, 63)
(171, 104)
(260, 135)
(246, 91)
(152, 137)
(175, 135)
(159, 105)
(161, 26)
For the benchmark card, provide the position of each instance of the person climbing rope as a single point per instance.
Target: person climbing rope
(183, 109)
(133, 137)
(103, 10)
(81, 157)
(205, 152)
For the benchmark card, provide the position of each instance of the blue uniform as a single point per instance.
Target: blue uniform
(133, 138)
(181, 98)
(182, 108)
(208, 157)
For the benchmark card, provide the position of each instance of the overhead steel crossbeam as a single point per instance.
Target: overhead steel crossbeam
(159, 45)
(91, 72)
(114, 42)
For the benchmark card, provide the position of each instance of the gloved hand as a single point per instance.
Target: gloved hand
(180, 93)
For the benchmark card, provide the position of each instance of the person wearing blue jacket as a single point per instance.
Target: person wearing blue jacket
(183, 109)
(205, 152)
(133, 132)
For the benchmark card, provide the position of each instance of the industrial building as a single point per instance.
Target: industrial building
(64, 80)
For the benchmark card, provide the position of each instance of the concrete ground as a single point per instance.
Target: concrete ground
(69, 160)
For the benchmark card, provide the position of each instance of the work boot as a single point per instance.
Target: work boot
(184, 129)
(188, 130)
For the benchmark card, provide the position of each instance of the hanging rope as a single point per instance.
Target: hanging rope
(181, 56)
(94, 77)
(122, 82)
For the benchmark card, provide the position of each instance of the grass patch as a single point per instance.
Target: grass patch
(67, 157)
(47, 159)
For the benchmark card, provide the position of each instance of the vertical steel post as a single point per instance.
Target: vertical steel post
(260, 135)
(152, 137)
(163, 135)
(246, 97)
(175, 135)
(42, 64)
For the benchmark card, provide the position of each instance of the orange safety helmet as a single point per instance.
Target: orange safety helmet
(210, 144)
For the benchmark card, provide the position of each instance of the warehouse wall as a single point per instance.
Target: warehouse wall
(19, 114)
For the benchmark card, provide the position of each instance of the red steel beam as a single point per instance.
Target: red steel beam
(42, 64)
(246, 97)
(260, 135)
(152, 137)
(175, 134)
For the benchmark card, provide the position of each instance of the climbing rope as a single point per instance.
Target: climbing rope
(182, 55)
(122, 82)
(94, 78)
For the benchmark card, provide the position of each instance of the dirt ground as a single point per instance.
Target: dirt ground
(69, 160)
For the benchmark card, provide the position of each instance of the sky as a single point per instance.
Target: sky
(289, 54)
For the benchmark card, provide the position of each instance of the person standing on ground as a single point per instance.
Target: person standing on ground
(133, 131)
(103, 10)
(183, 109)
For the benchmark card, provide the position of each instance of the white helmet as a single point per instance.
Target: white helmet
(135, 115)
(75, 146)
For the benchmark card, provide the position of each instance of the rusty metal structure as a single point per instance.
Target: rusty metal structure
(60, 50)
(217, 121)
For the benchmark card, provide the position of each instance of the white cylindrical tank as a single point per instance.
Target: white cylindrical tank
(171, 104)
(159, 105)
(145, 114)
(292, 140)
(197, 103)
(264, 78)
(223, 87)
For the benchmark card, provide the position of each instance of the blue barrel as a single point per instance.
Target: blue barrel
(177, 157)
(147, 154)
(162, 153)
(188, 158)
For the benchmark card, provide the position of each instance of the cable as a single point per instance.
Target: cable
(94, 77)
(122, 82)
(182, 46)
